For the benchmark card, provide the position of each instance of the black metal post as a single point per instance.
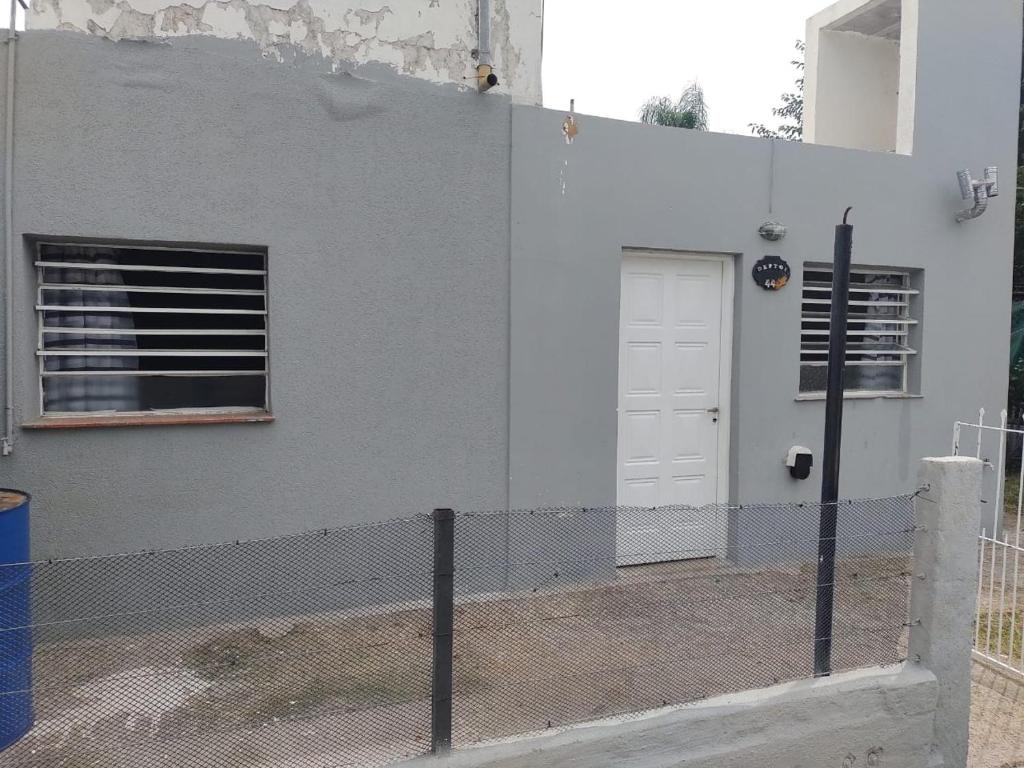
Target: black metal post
(833, 442)
(444, 622)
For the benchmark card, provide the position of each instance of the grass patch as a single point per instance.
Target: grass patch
(1011, 492)
(229, 654)
(307, 669)
(990, 644)
(313, 667)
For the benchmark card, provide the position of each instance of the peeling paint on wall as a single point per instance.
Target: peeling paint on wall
(433, 40)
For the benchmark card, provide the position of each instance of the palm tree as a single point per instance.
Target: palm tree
(691, 111)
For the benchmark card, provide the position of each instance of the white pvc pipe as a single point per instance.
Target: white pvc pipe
(484, 42)
(7, 441)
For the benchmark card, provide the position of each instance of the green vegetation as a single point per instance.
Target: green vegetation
(317, 667)
(305, 670)
(1015, 396)
(791, 111)
(690, 111)
(991, 644)
(1011, 492)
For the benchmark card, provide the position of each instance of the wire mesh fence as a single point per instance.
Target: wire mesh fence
(594, 620)
(302, 650)
(318, 649)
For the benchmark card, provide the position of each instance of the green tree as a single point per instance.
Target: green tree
(1015, 396)
(690, 111)
(792, 110)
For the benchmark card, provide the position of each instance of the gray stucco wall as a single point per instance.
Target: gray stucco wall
(383, 206)
(444, 312)
(623, 185)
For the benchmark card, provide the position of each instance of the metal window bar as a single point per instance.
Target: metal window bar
(157, 331)
(105, 312)
(152, 353)
(198, 372)
(149, 268)
(149, 289)
(857, 349)
(854, 333)
(71, 309)
(810, 285)
(858, 303)
(822, 318)
(824, 363)
(880, 325)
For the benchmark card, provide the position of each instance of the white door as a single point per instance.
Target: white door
(674, 349)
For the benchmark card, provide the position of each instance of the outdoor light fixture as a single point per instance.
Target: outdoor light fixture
(800, 460)
(772, 230)
(978, 191)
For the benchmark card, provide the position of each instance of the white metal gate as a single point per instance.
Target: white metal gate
(999, 618)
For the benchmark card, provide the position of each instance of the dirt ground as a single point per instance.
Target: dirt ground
(332, 690)
(997, 698)
(997, 719)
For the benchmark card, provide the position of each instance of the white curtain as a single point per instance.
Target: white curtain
(90, 393)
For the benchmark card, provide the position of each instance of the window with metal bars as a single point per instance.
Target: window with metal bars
(146, 329)
(878, 336)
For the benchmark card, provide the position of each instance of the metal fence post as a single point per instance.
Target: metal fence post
(443, 626)
(833, 440)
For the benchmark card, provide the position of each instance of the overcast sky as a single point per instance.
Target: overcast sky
(612, 55)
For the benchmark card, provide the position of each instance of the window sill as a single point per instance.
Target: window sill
(146, 420)
(814, 396)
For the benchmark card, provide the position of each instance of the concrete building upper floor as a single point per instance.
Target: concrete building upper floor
(441, 41)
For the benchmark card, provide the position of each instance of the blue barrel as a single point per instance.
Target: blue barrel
(15, 616)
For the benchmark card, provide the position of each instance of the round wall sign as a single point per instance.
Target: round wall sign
(771, 273)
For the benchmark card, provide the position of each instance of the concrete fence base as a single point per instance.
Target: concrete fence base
(874, 717)
(942, 600)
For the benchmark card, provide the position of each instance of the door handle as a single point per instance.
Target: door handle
(713, 410)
